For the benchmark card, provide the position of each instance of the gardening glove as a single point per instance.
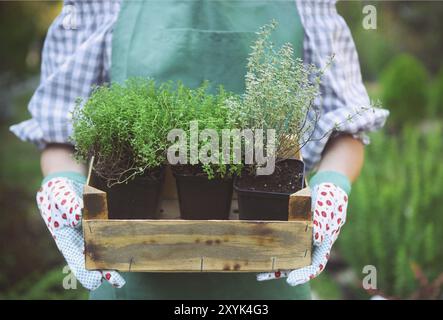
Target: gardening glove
(60, 202)
(330, 192)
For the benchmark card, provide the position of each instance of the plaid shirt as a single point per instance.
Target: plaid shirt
(76, 59)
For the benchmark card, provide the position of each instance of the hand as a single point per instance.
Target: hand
(60, 202)
(329, 204)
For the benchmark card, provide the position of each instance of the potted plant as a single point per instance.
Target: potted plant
(204, 187)
(125, 128)
(279, 95)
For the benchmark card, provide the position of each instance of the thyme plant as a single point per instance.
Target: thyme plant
(210, 111)
(279, 94)
(125, 128)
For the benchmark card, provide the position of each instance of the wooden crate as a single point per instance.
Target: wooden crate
(174, 245)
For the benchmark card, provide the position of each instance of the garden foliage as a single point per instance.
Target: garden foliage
(395, 215)
(436, 95)
(405, 89)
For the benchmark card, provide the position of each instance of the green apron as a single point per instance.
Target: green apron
(193, 41)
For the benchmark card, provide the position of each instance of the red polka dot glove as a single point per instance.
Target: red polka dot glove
(60, 202)
(329, 204)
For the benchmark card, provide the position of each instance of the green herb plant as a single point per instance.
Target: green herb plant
(210, 111)
(279, 95)
(125, 128)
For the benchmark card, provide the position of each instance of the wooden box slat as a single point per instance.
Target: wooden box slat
(200, 245)
(95, 205)
(300, 205)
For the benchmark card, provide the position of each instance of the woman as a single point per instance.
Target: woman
(194, 41)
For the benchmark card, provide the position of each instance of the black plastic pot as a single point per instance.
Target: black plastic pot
(203, 199)
(137, 199)
(266, 205)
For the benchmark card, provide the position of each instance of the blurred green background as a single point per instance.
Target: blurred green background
(395, 220)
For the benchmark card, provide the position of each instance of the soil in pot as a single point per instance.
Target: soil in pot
(139, 198)
(201, 198)
(266, 197)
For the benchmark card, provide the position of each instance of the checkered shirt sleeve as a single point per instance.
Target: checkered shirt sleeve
(343, 105)
(75, 58)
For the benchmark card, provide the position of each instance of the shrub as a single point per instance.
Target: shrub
(125, 127)
(436, 95)
(395, 214)
(404, 89)
(374, 51)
